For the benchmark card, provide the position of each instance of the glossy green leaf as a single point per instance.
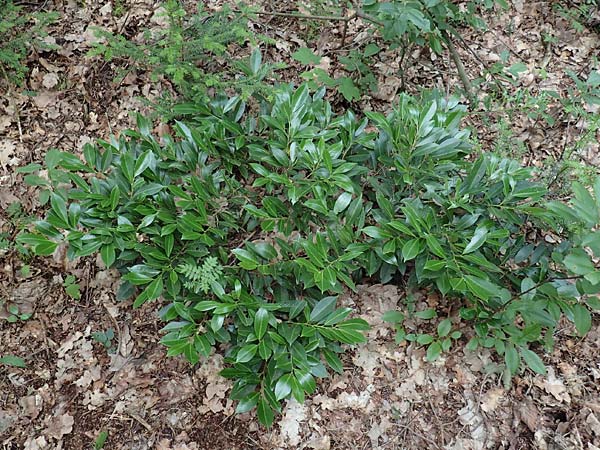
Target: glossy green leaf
(482, 288)
(342, 202)
(435, 246)
(411, 249)
(477, 240)
(107, 252)
(265, 413)
(333, 360)
(322, 309)
(247, 260)
(377, 233)
(246, 353)
(247, 403)
(261, 322)
(283, 387)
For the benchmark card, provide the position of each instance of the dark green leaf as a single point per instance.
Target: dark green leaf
(482, 288)
(283, 387)
(246, 353)
(247, 260)
(377, 233)
(261, 322)
(333, 360)
(322, 309)
(107, 252)
(265, 413)
(59, 207)
(411, 249)
(247, 403)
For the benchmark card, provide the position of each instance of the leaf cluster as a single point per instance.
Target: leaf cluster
(250, 226)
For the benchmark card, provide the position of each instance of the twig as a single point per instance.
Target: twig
(141, 421)
(460, 68)
(344, 30)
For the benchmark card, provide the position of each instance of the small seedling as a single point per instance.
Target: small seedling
(100, 440)
(14, 314)
(105, 338)
(72, 287)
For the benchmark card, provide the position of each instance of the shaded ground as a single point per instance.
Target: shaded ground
(74, 387)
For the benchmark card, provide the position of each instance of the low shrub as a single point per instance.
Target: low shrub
(249, 226)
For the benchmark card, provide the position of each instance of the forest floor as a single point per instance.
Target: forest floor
(74, 388)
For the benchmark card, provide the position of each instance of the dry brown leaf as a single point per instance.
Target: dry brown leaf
(43, 98)
(7, 152)
(319, 442)
(554, 386)
(31, 405)
(59, 426)
(37, 443)
(293, 415)
(50, 80)
(528, 414)
(491, 399)
(593, 423)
